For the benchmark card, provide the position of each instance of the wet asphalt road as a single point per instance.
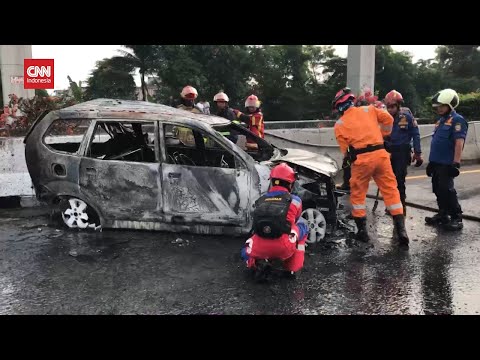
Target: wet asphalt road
(48, 271)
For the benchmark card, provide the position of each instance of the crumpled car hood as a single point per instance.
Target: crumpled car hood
(322, 164)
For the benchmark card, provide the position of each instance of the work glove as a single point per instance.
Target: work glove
(417, 157)
(453, 170)
(386, 143)
(429, 170)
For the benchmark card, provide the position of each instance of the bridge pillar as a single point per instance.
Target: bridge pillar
(360, 67)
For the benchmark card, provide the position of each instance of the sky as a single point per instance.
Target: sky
(79, 60)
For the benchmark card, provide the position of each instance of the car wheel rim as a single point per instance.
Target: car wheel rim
(75, 216)
(317, 225)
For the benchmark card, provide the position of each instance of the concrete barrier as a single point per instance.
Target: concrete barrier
(322, 141)
(15, 179)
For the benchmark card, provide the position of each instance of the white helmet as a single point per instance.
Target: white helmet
(446, 97)
(189, 92)
(221, 96)
(253, 101)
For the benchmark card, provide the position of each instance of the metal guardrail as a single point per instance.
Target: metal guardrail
(306, 124)
(326, 145)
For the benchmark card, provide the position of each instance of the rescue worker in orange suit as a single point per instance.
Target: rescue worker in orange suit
(405, 129)
(278, 230)
(360, 131)
(365, 98)
(444, 161)
(253, 118)
(187, 100)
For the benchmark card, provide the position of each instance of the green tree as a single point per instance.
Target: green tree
(281, 74)
(395, 70)
(141, 57)
(109, 80)
(460, 66)
(76, 89)
(328, 74)
(41, 92)
(209, 68)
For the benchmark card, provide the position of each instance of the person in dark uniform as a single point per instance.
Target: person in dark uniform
(404, 131)
(445, 157)
(221, 101)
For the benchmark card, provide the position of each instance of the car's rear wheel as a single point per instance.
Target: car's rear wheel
(316, 224)
(75, 213)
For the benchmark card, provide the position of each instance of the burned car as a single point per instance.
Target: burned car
(139, 165)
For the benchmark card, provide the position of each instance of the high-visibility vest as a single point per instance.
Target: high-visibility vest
(185, 135)
(227, 133)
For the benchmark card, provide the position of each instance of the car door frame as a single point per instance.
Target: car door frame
(82, 152)
(244, 218)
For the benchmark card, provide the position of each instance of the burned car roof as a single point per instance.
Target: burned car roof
(109, 169)
(130, 109)
(322, 164)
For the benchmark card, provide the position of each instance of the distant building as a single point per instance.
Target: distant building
(11, 70)
(61, 92)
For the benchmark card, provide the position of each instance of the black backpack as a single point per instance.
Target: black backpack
(270, 216)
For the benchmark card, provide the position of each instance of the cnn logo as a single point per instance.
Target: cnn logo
(38, 74)
(36, 71)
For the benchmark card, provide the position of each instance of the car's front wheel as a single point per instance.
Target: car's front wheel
(317, 225)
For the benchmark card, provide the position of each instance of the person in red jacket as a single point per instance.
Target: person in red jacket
(253, 119)
(279, 230)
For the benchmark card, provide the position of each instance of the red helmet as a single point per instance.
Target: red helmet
(393, 97)
(221, 96)
(366, 97)
(189, 92)
(342, 96)
(283, 172)
(252, 100)
(378, 104)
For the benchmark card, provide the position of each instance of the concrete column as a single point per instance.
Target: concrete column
(11, 67)
(360, 67)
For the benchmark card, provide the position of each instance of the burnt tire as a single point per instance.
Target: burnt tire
(74, 213)
(317, 225)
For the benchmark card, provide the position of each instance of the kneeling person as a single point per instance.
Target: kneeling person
(279, 230)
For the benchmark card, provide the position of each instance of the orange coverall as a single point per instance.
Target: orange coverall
(359, 127)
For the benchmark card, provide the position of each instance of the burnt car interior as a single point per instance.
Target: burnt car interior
(256, 147)
(316, 191)
(123, 141)
(187, 146)
(73, 129)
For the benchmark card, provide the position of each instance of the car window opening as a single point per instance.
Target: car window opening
(123, 141)
(186, 146)
(66, 135)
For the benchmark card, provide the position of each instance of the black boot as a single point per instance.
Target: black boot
(262, 270)
(437, 219)
(362, 233)
(399, 229)
(455, 223)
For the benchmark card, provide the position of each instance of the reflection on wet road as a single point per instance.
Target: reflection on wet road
(48, 271)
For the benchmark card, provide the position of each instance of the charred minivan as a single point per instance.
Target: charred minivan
(122, 164)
